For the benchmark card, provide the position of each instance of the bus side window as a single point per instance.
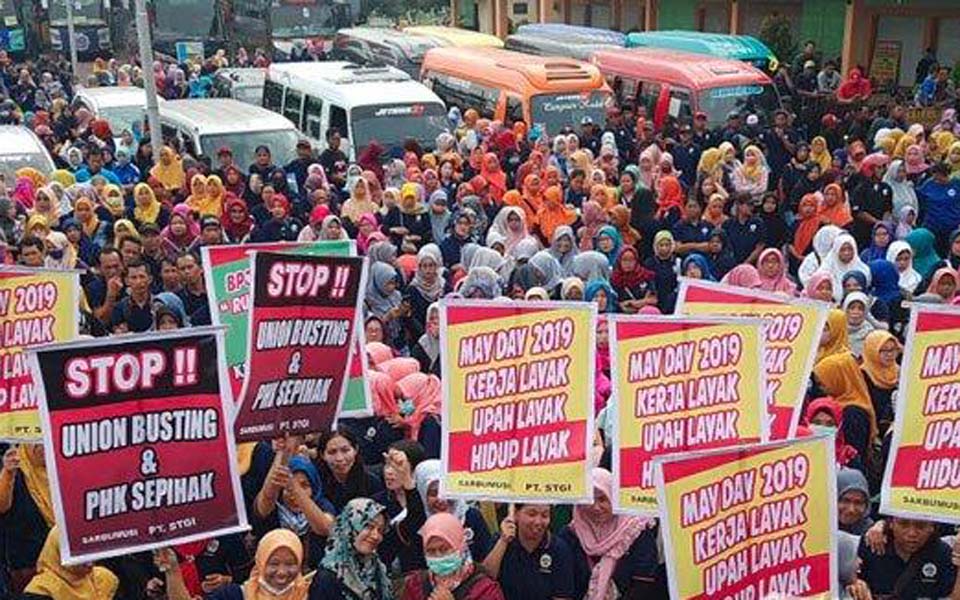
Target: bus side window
(514, 108)
(649, 93)
(272, 96)
(338, 120)
(292, 105)
(312, 117)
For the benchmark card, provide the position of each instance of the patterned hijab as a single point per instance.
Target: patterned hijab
(364, 576)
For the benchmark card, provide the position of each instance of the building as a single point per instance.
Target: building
(893, 33)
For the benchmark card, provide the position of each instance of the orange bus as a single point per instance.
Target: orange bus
(548, 91)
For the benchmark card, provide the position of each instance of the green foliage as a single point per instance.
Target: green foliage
(407, 10)
(775, 33)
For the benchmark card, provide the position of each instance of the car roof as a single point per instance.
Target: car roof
(741, 47)
(456, 36)
(546, 46)
(222, 115)
(696, 71)
(16, 139)
(351, 84)
(110, 97)
(411, 44)
(573, 34)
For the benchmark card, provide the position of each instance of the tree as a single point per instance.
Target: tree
(776, 34)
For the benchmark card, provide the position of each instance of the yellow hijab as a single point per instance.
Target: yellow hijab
(941, 143)
(839, 375)
(63, 177)
(270, 543)
(839, 340)
(35, 476)
(150, 212)
(709, 161)
(53, 213)
(953, 159)
(820, 153)
(883, 377)
(755, 171)
(900, 150)
(126, 224)
(93, 225)
(245, 456)
(38, 220)
(171, 176)
(64, 583)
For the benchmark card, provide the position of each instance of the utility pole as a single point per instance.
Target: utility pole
(149, 82)
(71, 39)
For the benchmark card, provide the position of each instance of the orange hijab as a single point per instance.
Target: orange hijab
(553, 213)
(839, 214)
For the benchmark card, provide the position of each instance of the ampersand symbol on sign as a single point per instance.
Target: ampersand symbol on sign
(148, 462)
(294, 367)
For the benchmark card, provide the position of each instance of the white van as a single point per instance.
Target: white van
(121, 107)
(205, 125)
(19, 148)
(364, 104)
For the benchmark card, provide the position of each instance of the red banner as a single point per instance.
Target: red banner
(305, 309)
(138, 444)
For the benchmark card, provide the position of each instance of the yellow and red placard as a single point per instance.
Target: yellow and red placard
(518, 382)
(922, 479)
(37, 307)
(792, 328)
(752, 522)
(680, 384)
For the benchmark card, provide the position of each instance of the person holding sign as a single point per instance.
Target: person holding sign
(529, 562)
(26, 510)
(351, 568)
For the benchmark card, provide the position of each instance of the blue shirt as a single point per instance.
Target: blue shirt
(83, 175)
(940, 204)
(543, 574)
(744, 237)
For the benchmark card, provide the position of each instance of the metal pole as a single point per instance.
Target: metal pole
(71, 39)
(149, 82)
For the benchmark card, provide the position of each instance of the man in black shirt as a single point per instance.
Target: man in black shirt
(105, 290)
(194, 292)
(332, 155)
(871, 201)
(134, 314)
(745, 232)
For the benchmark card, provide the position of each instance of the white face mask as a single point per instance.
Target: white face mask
(272, 590)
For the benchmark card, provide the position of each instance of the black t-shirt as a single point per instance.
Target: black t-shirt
(328, 158)
(139, 318)
(874, 198)
(197, 307)
(933, 578)
(744, 237)
(543, 574)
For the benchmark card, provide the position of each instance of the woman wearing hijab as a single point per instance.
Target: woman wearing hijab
(61, 255)
(26, 507)
(880, 238)
(510, 223)
(900, 254)
(904, 193)
(54, 581)
(409, 222)
(696, 266)
(351, 568)
(820, 153)
(743, 276)
(553, 213)
(292, 498)
(670, 201)
(925, 257)
(563, 247)
(426, 287)
(772, 270)
(842, 259)
(612, 551)
(834, 339)
(359, 203)
(839, 376)
(169, 171)
(856, 306)
(825, 414)
(147, 209)
(182, 230)
(632, 283)
(236, 222)
(594, 218)
(281, 226)
(450, 571)
(753, 175)
(427, 348)
(494, 176)
(420, 410)
(276, 573)
(835, 208)
(805, 228)
(943, 285)
(854, 88)
(608, 243)
(95, 230)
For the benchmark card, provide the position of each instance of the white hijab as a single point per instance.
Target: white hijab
(909, 278)
(836, 268)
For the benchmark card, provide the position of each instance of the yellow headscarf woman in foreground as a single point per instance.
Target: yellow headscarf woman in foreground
(80, 582)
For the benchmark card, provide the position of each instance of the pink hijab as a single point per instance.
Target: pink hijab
(425, 392)
(745, 276)
(914, 160)
(604, 543)
(398, 368)
(819, 277)
(781, 282)
(448, 528)
(379, 353)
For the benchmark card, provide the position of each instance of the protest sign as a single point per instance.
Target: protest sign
(922, 478)
(37, 306)
(135, 430)
(517, 399)
(680, 384)
(752, 522)
(304, 316)
(226, 271)
(792, 328)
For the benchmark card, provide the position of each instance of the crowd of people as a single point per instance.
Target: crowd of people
(858, 209)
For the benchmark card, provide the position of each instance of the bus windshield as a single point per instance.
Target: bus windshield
(391, 125)
(757, 99)
(556, 111)
(85, 12)
(185, 18)
(299, 18)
